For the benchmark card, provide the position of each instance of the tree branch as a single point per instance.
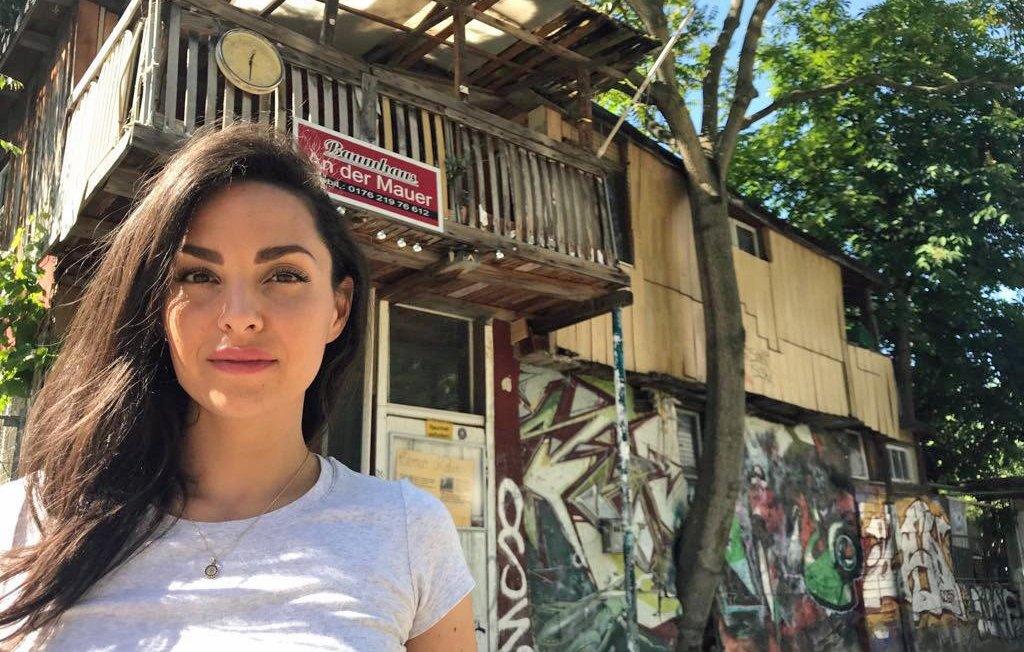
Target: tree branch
(668, 99)
(876, 80)
(745, 91)
(709, 121)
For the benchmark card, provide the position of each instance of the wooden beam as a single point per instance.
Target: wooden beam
(585, 99)
(417, 35)
(582, 312)
(279, 33)
(329, 21)
(421, 52)
(514, 30)
(269, 9)
(430, 37)
(459, 21)
(453, 266)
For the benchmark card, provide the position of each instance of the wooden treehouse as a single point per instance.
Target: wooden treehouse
(529, 221)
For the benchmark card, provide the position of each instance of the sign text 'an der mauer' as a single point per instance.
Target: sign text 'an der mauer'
(361, 174)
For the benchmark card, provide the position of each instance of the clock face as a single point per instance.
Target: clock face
(249, 61)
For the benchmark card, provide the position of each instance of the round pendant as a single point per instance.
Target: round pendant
(212, 570)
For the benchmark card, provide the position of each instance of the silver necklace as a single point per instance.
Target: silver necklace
(213, 569)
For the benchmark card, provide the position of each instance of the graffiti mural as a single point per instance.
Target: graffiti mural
(879, 581)
(794, 552)
(571, 483)
(926, 564)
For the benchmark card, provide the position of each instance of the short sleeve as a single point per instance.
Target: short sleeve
(440, 576)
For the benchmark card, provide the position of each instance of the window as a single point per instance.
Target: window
(688, 433)
(854, 452)
(745, 237)
(901, 463)
(432, 363)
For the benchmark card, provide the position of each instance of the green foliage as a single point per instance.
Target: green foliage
(22, 314)
(13, 84)
(926, 188)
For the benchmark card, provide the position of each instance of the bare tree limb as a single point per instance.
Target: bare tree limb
(879, 81)
(745, 91)
(668, 98)
(709, 120)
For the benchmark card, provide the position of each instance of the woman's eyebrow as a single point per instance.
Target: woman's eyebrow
(262, 256)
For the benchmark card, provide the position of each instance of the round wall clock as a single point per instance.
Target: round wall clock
(249, 61)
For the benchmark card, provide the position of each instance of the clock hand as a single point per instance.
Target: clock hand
(251, 56)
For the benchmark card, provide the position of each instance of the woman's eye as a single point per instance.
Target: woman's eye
(194, 276)
(289, 276)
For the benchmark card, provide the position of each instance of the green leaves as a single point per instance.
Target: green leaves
(23, 312)
(926, 188)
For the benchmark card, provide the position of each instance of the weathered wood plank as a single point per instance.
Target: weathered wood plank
(328, 100)
(210, 113)
(191, 83)
(479, 183)
(492, 172)
(229, 103)
(297, 103)
(401, 142)
(441, 157)
(313, 95)
(171, 69)
(412, 116)
(343, 113)
(428, 139)
(385, 114)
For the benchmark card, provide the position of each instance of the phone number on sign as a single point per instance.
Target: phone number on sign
(380, 198)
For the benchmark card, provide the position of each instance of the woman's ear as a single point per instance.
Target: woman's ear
(342, 307)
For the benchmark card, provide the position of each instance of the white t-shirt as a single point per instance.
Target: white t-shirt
(356, 563)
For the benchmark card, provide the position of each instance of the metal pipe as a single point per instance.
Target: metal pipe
(622, 431)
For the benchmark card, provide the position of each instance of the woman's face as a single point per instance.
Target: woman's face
(251, 305)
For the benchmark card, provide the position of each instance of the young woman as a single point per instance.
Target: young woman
(175, 501)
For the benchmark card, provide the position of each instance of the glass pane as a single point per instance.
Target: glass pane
(745, 240)
(453, 473)
(429, 360)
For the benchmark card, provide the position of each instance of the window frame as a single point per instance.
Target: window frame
(863, 455)
(696, 445)
(909, 460)
(754, 232)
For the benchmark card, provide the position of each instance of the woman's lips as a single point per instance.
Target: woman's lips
(241, 366)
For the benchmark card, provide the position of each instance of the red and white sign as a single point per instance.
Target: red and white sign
(374, 178)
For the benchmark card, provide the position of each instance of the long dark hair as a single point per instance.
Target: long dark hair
(105, 432)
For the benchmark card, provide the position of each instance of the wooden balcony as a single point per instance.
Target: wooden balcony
(528, 229)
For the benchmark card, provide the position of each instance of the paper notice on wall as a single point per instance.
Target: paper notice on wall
(451, 479)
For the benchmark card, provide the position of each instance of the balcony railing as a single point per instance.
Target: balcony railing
(157, 70)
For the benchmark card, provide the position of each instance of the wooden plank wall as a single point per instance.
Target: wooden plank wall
(33, 185)
(792, 305)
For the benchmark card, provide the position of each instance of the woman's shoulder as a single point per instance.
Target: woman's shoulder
(13, 512)
(385, 494)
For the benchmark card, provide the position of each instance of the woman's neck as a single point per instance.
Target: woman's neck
(239, 465)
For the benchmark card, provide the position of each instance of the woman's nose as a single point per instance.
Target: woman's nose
(241, 310)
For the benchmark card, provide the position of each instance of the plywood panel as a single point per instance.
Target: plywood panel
(662, 224)
(808, 294)
(873, 390)
(796, 349)
(754, 277)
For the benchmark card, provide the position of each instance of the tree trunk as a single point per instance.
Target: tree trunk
(701, 552)
(904, 358)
